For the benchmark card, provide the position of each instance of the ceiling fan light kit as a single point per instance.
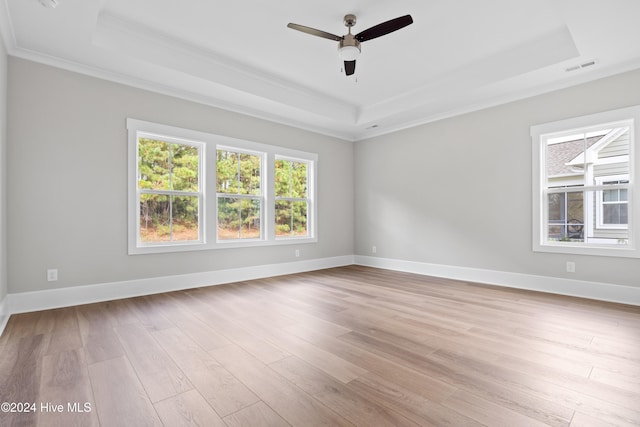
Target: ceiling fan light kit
(349, 52)
(349, 45)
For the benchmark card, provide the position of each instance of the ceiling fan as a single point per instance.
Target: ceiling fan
(349, 44)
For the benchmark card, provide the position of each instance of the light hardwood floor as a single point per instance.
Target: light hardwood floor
(344, 346)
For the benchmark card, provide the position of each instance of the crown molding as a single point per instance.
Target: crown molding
(275, 113)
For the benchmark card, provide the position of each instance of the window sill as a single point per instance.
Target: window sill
(622, 251)
(228, 244)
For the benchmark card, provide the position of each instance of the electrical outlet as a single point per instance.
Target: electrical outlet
(297, 253)
(52, 275)
(373, 249)
(571, 267)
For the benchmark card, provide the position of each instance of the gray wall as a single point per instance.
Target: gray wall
(458, 191)
(454, 192)
(67, 189)
(3, 170)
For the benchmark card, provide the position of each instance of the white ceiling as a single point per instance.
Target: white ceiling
(457, 56)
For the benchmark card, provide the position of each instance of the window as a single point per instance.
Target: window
(169, 196)
(191, 190)
(239, 194)
(292, 201)
(583, 171)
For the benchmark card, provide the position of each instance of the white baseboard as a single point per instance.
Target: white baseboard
(4, 314)
(77, 295)
(577, 288)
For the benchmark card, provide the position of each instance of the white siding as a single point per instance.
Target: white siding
(618, 147)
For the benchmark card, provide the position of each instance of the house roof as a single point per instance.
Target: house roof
(559, 155)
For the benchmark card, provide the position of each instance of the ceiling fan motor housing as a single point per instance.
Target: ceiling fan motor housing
(349, 47)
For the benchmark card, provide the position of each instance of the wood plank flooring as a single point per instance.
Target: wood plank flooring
(338, 347)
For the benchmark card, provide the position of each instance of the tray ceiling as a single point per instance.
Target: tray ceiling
(456, 57)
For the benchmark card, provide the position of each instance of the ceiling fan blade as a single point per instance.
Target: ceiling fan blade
(384, 28)
(349, 67)
(314, 32)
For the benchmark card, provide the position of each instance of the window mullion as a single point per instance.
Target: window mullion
(173, 192)
(552, 190)
(239, 196)
(170, 217)
(292, 199)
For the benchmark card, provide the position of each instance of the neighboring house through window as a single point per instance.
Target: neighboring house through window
(613, 205)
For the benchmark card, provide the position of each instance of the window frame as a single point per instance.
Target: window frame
(137, 130)
(208, 217)
(629, 116)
